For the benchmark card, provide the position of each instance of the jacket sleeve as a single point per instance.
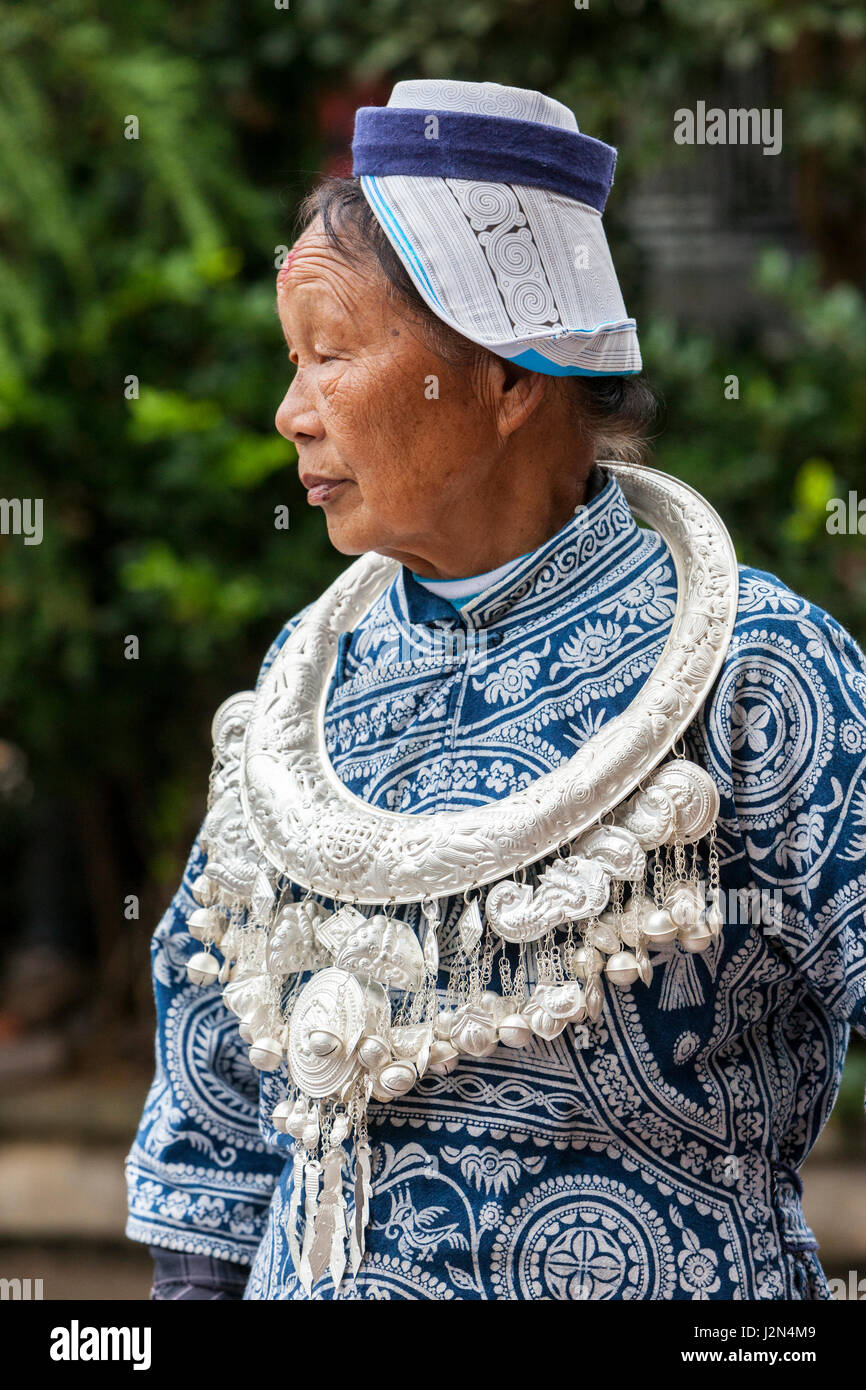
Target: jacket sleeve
(199, 1174)
(178, 1277)
(798, 718)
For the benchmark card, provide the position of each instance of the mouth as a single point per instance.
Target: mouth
(321, 490)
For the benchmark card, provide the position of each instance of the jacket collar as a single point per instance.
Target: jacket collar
(601, 537)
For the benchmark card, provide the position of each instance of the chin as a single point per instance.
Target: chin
(353, 538)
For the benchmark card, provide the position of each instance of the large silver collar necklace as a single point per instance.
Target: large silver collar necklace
(350, 1005)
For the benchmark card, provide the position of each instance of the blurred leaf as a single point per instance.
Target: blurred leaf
(162, 414)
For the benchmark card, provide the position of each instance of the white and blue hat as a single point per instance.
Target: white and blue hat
(492, 198)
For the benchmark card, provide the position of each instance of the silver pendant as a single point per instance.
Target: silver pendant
(295, 1205)
(695, 797)
(470, 927)
(615, 849)
(327, 1248)
(292, 945)
(552, 1006)
(472, 1030)
(331, 1006)
(334, 932)
(568, 890)
(431, 951)
(312, 1172)
(650, 817)
(363, 1195)
(386, 950)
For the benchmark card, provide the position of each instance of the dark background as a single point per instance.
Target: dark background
(154, 258)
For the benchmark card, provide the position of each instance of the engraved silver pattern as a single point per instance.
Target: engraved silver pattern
(312, 828)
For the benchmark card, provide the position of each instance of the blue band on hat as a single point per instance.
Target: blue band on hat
(493, 149)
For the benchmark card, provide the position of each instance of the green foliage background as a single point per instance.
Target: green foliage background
(154, 257)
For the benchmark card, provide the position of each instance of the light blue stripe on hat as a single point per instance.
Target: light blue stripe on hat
(534, 362)
(387, 218)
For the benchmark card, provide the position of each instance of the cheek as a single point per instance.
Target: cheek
(437, 428)
(369, 410)
(348, 400)
(397, 435)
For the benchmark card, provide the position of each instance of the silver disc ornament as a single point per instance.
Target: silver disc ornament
(326, 1025)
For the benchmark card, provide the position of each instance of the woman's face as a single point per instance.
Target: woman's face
(396, 446)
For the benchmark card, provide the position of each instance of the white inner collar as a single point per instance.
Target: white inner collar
(474, 584)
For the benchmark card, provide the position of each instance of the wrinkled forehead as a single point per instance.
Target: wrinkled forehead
(317, 276)
(314, 256)
(310, 247)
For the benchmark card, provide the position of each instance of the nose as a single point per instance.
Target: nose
(297, 418)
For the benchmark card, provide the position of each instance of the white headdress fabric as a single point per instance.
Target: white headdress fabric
(525, 271)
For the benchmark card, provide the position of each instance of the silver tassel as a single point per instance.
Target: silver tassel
(311, 1192)
(295, 1205)
(330, 1232)
(363, 1196)
(594, 997)
(643, 961)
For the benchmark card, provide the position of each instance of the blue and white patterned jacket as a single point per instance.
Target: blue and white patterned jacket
(655, 1155)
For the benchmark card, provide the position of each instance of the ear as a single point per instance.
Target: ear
(517, 394)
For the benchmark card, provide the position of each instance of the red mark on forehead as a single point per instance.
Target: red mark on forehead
(283, 273)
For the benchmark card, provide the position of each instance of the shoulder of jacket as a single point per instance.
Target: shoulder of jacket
(771, 613)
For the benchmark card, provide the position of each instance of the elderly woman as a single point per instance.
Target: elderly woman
(517, 955)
